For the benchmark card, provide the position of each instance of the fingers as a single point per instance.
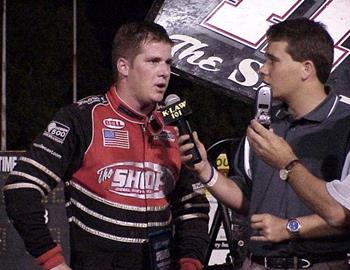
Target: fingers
(263, 142)
(195, 136)
(268, 228)
(184, 146)
(183, 139)
(257, 224)
(259, 238)
(254, 138)
(259, 128)
(199, 145)
(257, 132)
(186, 143)
(185, 157)
(256, 221)
(268, 146)
(257, 218)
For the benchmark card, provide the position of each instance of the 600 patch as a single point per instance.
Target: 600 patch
(56, 131)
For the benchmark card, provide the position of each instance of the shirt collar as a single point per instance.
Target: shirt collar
(318, 114)
(123, 109)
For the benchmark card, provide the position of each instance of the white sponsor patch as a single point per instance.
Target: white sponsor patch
(91, 100)
(113, 123)
(56, 131)
(197, 186)
(165, 136)
(41, 146)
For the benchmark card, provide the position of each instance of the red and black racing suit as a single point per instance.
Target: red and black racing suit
(121, 185)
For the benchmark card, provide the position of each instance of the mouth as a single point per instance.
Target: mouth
(264, 78)
(161, 86)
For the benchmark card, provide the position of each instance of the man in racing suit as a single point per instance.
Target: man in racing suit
(122, 177)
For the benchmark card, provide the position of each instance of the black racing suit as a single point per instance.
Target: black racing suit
(122, 184)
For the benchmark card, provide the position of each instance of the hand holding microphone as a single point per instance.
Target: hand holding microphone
(175, 112)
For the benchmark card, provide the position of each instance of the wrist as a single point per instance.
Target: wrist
(287, 162)
(51, 258)
(206, 172)
(213, 178)
(190, 264)
(284, 172)
(293, 228)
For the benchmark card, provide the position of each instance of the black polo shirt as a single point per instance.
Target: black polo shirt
(321, 140)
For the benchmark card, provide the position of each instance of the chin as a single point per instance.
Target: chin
(159, 97)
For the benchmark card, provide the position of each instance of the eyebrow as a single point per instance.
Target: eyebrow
(271, 56)
(156, 58)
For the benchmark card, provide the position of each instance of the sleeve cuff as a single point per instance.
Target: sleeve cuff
(340, 191)
(51, 258)
(190, 264)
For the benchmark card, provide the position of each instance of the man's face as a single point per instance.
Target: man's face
(149, 73)
(280, 71)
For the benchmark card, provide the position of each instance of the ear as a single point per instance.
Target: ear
(123, 66)
(308, 70)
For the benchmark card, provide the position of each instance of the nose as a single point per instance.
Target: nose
(165, 70)
(263, 70)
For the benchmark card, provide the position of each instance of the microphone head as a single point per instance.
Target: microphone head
(171, 99)
(175, 109)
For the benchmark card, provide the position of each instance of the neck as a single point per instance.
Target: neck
(306, 100)
(133, 102)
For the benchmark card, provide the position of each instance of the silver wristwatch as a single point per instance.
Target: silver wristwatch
(293, 227)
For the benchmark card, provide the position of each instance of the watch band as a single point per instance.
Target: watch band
(285, 171)
(291, 164)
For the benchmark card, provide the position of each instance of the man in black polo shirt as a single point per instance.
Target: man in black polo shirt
(315, 122)
(331, 200)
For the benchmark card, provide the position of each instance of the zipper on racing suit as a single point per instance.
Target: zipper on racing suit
(144, 137)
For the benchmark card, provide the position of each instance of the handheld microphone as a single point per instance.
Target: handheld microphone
(175, 112)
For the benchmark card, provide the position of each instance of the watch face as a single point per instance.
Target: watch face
(283, 174)
(293, 225)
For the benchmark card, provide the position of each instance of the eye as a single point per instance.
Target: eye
(169, 62)
(154, 60)
(270, 59)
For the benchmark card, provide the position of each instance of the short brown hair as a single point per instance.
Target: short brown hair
(129, 38)
(307, 40)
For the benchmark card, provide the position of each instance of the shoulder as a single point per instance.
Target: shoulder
(79, 112)
(343, 107)
(91, 101)
(84, 105)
